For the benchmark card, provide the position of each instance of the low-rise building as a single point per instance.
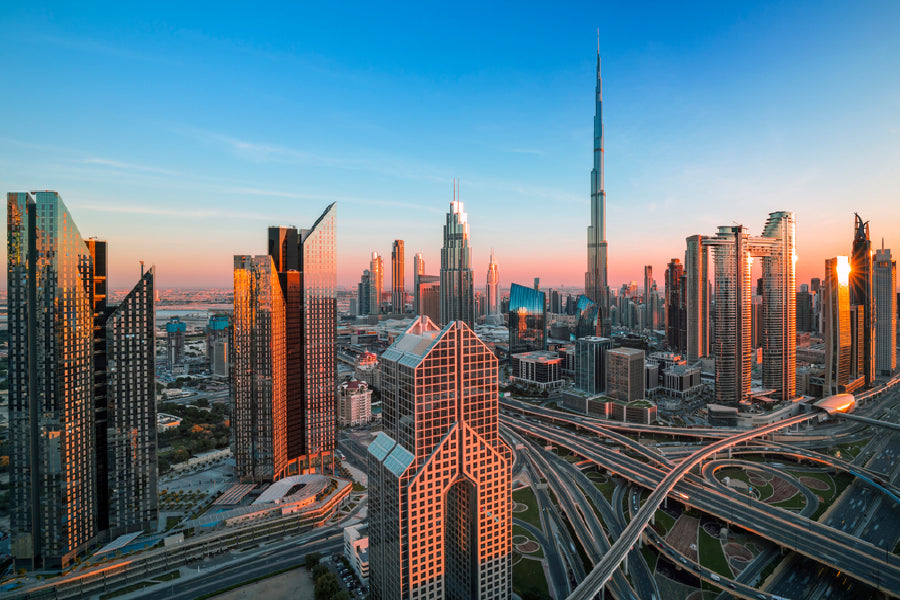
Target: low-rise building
(541, 368)
(682, 381)
(356, 551)
(625, 374)
(354, 403)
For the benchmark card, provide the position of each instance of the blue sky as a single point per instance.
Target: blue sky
(178, 132)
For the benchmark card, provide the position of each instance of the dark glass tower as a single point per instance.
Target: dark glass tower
(861, 274)
(527, 319)
(398, 288)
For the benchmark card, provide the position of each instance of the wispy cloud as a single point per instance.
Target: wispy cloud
(160, 211)
(125, 166)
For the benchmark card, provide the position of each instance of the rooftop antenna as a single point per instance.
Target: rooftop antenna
(598, 41)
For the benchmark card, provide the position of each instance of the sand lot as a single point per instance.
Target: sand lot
(296, 584)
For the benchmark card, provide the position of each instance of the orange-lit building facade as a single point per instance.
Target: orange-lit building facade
(284, 380)
(258, 437)
(439, 474)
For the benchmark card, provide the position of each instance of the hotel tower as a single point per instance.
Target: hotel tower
(440, 516)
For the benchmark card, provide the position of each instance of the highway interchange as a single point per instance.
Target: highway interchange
(846, 553)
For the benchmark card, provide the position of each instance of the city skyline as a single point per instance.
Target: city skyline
(735, 123)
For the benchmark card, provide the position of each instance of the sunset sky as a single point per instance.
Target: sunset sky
(179, 133)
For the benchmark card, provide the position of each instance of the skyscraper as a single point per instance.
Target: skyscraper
(595, 279)
(696, 264)
(885, 281)
(492, 287)
(649, 314)
(676, 326)
(457, 281)
(418, 270)
(527, 319)
(376, 289)
(258, 436)
(284, 343)
(398, 289)
(861, 296)
(82, 408)
(836, 309)
(218, 344)
(440, 516)
(364, 293)
(734, 250)
(131, 495)
(175, 330)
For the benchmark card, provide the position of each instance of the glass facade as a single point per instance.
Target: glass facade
(590, 321)
(53, 511)
(885, 282)
(285, 375)
(398, 287)
(131, 444)
(836, 309)
(457, 281)
(590, 364)
(258, 379)
(439, 474)
(527, 319)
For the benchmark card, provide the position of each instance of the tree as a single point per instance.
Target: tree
(319, 571)
(312, 559)
(327, 587)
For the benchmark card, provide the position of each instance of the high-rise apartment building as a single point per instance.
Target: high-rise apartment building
(527, 319)
(649, 314)
(398, 288)
(696, 264)
(440, 516)
(418, 270)
(175, 332)
(676, 308)
(457, 281)
(376, 281)
(218, 344)
(861, 295)
(836, 309)
(258, 431)
(595, 279)
(364, 294)
(131, 494)
(625, 374)
(885, 286)
(82, 408)
(284, 379)
(804, 310)
(492, 288)
(734, 250)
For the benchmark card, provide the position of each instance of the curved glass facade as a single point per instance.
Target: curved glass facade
(590, 319)
(527, 319)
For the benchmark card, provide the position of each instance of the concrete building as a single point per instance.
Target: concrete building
(625, 374)
(356, 551)
(354, 403)
(542, 369)
(440, 517)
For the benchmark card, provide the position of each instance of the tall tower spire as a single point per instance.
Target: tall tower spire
(595, 280)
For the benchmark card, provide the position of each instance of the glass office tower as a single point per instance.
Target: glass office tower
(457, 279)
(527, 319)
(53, 508)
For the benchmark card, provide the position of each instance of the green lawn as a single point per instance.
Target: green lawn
(650, 557)
(795, 502)
(528, 579)
(518, 530)
(712, 556)
(664, 522)
(606, 489)
(526, 496)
